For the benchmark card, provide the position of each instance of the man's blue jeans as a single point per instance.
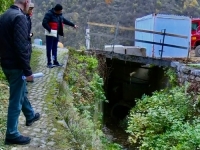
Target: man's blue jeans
(51, 46)
(17, 101)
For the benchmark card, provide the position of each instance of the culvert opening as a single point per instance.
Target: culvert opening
(127, 82)
(120, 111)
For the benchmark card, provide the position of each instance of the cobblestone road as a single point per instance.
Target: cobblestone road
(42, 130)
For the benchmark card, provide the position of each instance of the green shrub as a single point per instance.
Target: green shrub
(172, 76)
(166, 120)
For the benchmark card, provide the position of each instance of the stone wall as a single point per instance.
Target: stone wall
(187, 74)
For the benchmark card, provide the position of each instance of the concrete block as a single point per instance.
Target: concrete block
(135, 50)
(127, 50)
(117, 48)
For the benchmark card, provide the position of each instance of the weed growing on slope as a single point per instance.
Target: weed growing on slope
(80, 102)
(4, 95)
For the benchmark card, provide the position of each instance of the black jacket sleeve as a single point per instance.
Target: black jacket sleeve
(21, 43)
(67, 22)
(46, 20)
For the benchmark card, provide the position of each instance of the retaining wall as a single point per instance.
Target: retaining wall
(187, 74)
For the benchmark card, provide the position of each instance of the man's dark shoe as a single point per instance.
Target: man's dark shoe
(30, 122)
(56, 63)
(21, 140)
(50, 66)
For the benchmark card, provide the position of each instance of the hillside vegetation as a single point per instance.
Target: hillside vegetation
(125, 12)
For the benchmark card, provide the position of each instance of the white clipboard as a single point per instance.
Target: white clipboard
(52, 33)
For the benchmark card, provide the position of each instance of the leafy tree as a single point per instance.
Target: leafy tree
(190, 3)
(4, 4)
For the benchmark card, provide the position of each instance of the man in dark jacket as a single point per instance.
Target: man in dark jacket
(15, 62)
(53, 20)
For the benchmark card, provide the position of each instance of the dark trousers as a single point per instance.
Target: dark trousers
(18, 101)
(51, 47)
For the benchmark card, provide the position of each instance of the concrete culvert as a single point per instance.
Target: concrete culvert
(120, 111)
